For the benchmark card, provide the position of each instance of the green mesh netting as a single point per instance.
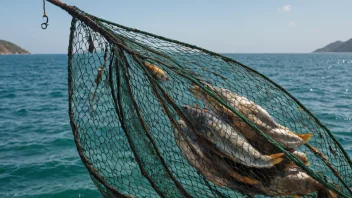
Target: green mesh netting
(153, 117)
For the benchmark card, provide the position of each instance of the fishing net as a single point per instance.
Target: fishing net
(154, 117)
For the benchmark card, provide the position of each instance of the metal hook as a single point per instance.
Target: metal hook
(45, 24)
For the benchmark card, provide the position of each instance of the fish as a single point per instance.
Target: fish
(91, 44)
(229, 141)
(302, 156)
(290, 164)
(221, 110)
(98, 80)
(99, 76)
(156, 71)
(294, 182)
(253, 112)
(212, 166)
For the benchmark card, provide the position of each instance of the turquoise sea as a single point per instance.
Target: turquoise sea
(38, 157)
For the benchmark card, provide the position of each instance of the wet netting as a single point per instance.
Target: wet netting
(154, 117)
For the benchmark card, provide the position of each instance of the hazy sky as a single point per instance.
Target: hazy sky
(238, 26)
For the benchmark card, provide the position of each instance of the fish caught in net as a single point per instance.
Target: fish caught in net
(154, 117)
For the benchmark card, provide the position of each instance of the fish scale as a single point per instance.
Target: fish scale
(227, 139)
(254, 113)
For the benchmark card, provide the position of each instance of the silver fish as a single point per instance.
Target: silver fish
(226, 139)
(294, 182)
(213, 167)
(254, 113)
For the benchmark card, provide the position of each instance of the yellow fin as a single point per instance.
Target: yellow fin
(332, 194)
(276, 158)
(305, 137)
(277, 155)
(276, 161)
(195, 87)
(244, 179)
(296, 196)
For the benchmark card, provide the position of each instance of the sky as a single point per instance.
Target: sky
(223, 26)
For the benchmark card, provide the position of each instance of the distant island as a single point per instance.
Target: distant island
(337, 46)
(7, 47)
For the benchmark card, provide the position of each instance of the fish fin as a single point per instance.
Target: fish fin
(305, 137)
(332, 194)
(277, 155)
(307, 163)
(296, 196)
(276, 161)
(195, 87)
(276, 158)
(327, 193)
(244, 179)
(291, 165)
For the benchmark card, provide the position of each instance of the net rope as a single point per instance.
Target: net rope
(154, 117)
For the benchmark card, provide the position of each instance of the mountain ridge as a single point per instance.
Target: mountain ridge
(337, 46)
(7, 47)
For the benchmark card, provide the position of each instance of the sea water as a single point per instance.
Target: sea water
(38, 157)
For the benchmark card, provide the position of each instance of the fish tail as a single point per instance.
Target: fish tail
(276, 158)
(244, 179)
(277, 155)
(305, 137)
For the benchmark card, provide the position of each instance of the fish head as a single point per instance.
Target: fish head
(223, 93)
(187, 133)
(182, 123)
(197, 116)
(197, 89)
(165, 78)
(302, 156)
(198, 92)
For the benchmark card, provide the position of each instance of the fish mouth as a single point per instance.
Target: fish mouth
(182, 123)
(185, 107)
(194, 89)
